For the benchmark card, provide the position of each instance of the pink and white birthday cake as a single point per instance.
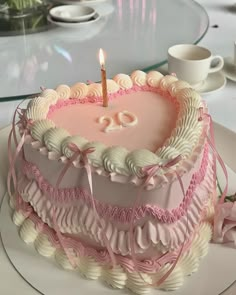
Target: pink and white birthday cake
(123, 193)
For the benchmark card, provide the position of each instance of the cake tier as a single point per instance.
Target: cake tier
(156, 148)
(158, 227)
(158, 120)
(94, 265)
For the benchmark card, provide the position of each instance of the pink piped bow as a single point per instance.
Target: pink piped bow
(14, 154)
(151, 170)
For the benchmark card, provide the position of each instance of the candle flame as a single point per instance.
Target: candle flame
(101, 57)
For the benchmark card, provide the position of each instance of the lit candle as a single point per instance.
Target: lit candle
(103, 78)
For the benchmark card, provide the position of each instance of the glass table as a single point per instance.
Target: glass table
(135, 34)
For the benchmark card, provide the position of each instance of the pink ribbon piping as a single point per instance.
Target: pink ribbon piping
(12, 156)
(84, 159)
(150, 171)
(216, 156)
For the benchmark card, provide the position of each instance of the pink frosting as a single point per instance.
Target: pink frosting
(98, 100)
(74, 211)
(102, 256)
(77, 218)
(116, 213)
(156, 119)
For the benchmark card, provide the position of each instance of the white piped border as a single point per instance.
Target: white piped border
(185, 138)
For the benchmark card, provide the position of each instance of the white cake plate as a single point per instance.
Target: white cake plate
(217, 271)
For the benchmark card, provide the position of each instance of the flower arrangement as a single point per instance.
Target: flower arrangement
(225, 219)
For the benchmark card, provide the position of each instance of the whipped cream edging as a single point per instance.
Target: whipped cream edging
(122, 275)
(118, 160)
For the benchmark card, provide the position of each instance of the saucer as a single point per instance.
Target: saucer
(102, 7)
(78, 2)
(72, 13)
(214, 82)
(229, 68)
(74, 25)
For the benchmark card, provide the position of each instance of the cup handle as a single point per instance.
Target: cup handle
(219, 65)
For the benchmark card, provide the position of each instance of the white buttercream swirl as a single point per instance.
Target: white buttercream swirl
(189, 262)
(140, 158)
(175, 87)
(77, 140)
(62, 259)
(37, 112)
(174, 281)
(38, 101)
(189, 117)
(112, 86)
(79, 90)
(124, 81)
(114, 160)
(51, 95)
(95, 158)
(43, 246)
(200, 244)
(54, 137)
(154, 78)
(181, 144)
(95, 90)
(114, 277)
(189, 97)
(89, 268)
(168, 152)
(63, 91)
(139, 78)
(166, 81)
(39, 128)
(18, 218)
(137, 284)
(189, 133)
(28, 232)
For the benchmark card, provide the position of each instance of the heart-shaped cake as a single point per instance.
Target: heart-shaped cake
(124, 192)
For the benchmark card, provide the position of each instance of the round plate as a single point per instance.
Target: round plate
(214, 82)
(42, 273)
(75, 25)
(72, 13)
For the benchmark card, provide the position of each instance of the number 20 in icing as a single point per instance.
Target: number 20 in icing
(112, 126)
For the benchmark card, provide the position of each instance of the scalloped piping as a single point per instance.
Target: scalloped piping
(122, 275)
(76, 218)
(96, 162)
(122, 215)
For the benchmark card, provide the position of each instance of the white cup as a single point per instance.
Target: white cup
(192, 63)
